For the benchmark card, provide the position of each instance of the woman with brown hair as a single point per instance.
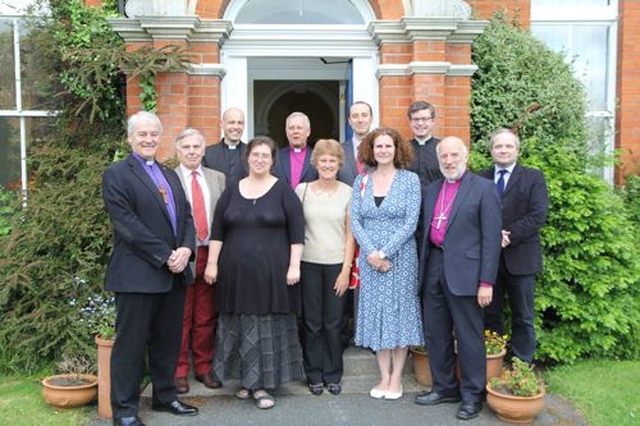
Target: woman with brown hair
(254, 259)
(384, 213)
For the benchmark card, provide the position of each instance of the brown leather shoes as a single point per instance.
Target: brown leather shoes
(209, 380)
(181, 384)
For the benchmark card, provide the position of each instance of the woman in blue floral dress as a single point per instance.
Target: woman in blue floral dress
(384, 214)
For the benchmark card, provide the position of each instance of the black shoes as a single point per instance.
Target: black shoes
(435, 398)
(176, 407)
(128, 421)
(315, 388)
(334, 388)
(469, 410)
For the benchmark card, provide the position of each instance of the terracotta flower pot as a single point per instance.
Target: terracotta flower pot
(515, 409)
(494, 364)
(421, 367)
(104, 377)
(69, 390)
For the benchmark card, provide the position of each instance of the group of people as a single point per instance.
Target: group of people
(241, 260)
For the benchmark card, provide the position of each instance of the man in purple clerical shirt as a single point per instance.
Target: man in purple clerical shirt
(458, 266)
(294, 161)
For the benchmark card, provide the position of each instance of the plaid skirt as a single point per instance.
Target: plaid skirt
(262, 351)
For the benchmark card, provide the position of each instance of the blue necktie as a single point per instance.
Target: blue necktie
(500, 183)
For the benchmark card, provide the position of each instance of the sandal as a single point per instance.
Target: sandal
(316, 388)
(264, 400)
(334, 388)
(244, 394)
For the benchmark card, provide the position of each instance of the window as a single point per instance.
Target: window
(23, 111)
(587, 36)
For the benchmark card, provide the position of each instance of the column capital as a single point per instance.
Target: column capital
(182, 28)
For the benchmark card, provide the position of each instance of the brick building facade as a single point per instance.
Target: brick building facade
(385, 52)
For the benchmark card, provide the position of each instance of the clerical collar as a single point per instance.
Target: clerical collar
(299, 150)
(423, 142)
(143, 160)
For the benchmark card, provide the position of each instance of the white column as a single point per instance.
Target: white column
(235, 90)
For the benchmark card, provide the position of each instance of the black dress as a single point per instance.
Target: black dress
(257, 337)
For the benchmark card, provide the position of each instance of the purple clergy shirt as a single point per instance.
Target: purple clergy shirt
(163, 186)
(297, 163)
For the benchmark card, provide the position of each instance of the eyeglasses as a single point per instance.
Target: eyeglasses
(258, 156)
(421, 119)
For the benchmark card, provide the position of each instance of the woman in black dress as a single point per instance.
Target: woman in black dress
(254, 259)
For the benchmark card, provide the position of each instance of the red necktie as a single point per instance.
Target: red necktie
(199, 211)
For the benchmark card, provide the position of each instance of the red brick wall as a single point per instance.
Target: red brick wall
(484, 9)
(628, 89)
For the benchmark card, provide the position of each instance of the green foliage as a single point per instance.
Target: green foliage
(9, 206)
(522, 85)
(588, 296)
(518, 380)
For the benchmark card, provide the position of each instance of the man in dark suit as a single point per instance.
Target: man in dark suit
(293, 165)
(422, 120)
(229, 155)
(203, 187)
(153, 240)
(525, 202)
(360, 119)
(458, 266)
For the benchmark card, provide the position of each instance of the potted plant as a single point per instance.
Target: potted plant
(100, 316)
(73, 387)
(496, 348)
(421, 365)
(517, 396)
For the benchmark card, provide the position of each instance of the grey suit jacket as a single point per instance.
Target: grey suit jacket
(349, 169)
(215, 183)
(473, 235)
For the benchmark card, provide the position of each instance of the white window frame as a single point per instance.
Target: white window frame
(18, 111)
(589, 15)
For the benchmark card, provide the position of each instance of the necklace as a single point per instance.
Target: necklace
(444, 210)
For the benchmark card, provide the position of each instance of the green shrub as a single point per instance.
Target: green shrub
(588, 296)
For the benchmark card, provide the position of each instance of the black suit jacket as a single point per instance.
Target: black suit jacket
(525, 204)
(472, 243)
(215, 158)
(143, 236)
(282, 168)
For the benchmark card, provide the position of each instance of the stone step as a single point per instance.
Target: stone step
(360, 375)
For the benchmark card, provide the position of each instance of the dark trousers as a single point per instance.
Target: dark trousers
(446, 314)
(146, 324)
(323, 316)
(520, 291)
(198, 325)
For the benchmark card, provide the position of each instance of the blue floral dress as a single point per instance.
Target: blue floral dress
(389, 314)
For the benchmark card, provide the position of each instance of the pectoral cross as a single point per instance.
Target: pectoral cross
(163, 192)
(440, 218)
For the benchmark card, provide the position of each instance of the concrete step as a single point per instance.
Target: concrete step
(360, 375)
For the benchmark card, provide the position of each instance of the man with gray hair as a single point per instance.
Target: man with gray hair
(458, 266)
(293, 163)
(203, 187)
(153, 241)
(525, 202)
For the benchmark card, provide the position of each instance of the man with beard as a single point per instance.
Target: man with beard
(458, 266)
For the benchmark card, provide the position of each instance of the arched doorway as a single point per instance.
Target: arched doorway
(308, 51)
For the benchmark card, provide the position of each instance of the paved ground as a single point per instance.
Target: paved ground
(297, 407)
(346, 409)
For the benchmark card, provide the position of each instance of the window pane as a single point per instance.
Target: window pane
(10, 146)
(7, 82)
(36, 128)
(590, 45)
(39, 83)
(569, 3)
